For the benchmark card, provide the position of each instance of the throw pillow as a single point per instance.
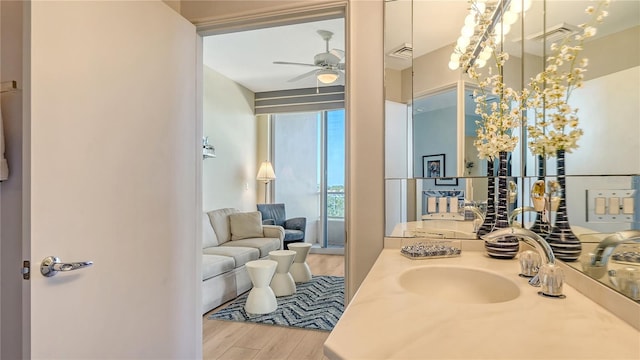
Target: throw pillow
(246, 225)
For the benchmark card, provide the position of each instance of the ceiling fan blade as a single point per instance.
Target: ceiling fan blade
(292, 63)
(340, 66)
(302, 76)
(338, 53)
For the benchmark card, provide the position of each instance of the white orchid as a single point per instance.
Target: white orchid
(498, 106)
(556, 122)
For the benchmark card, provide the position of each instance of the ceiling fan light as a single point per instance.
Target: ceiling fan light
(327, 76)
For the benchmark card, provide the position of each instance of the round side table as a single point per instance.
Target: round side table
(299, 269)
(261, 299)
(282, 283)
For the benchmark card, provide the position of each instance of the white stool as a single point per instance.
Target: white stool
(299, 269)
(282, 283)
(261, 299)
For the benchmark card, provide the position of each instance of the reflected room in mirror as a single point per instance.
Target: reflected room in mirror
(430, 110)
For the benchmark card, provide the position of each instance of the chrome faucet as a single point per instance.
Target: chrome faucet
(624, 279)
(605, 248)
(477, 214)
(518, 211)
(551, 285)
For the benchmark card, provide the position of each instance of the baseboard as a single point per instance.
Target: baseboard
(316, 249)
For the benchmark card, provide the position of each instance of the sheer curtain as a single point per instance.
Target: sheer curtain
(297, 162)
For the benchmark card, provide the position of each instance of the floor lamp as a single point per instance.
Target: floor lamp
(266, 174)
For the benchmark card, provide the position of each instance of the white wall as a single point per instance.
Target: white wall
(437, 129)
(613, 53)
(609, 114)
(263, 151)
(365, 139)
(397, 140)
(229, 180)
(396, 162)
(393, 85)
(11, 190)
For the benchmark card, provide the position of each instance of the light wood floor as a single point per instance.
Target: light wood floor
(243, 341)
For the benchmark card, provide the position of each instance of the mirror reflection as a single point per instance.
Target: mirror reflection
(439, 183)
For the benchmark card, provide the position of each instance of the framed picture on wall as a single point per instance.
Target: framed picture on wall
(433, 166)
(447, 182)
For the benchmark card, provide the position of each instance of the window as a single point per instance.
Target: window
(309, 161)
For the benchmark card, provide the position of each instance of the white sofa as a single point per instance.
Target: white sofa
(229, 241)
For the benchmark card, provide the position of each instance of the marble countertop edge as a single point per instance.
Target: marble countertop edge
(384, 321)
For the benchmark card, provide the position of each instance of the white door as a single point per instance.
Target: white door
(113, 161)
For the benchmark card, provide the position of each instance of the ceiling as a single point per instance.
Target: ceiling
(247, 57)
(437, 23)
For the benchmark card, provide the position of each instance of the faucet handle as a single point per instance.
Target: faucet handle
(529, 263)
(591, 267)
(627, 281)
(551, 280)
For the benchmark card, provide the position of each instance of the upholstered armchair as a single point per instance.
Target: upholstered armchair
(294, 228)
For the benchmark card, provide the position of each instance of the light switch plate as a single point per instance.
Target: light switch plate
(614, 206)
(628, 206)
(613, 209)
(600, 206)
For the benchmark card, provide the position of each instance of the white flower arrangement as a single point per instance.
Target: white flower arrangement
(499, 106)
(556, 122)
(495, 105)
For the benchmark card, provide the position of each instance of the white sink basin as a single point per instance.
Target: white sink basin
(458, 284)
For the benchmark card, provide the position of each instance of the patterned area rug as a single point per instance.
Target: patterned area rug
(317, 304)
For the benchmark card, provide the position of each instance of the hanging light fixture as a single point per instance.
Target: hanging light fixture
(327, 76)
(487, 18)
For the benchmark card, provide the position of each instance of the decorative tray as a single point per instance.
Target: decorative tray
(627, 257)
(424, 248)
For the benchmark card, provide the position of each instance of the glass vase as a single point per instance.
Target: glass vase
(564, 243)
(506, 247)
(490, 214)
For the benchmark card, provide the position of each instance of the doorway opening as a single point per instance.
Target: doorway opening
(276, 93)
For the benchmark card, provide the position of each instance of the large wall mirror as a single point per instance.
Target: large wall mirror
(431, 123)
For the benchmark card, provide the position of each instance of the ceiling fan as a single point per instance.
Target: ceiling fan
(328, 63)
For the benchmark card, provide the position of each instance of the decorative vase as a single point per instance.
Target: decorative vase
(490, 215)
(564, 243)
(540, 226)
(506, 247)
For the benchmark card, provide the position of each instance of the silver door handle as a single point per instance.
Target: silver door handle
(51, 265)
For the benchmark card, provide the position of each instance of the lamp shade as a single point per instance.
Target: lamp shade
(265, 173)
(327, 76)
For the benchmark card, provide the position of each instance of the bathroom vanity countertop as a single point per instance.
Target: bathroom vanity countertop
(385, 321)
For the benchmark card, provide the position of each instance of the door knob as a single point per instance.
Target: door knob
(51, 265)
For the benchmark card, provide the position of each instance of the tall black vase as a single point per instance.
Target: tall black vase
(507, 247)
(564, 243)
(539, 226)
(490, 215)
